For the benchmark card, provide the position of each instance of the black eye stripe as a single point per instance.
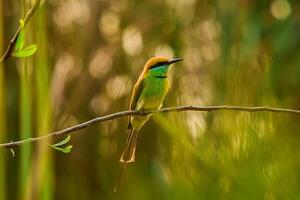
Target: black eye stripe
(158, 64)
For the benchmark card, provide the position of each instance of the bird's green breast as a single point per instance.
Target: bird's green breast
(154, 91)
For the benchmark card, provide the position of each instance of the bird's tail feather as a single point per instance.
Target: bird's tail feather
(128, 155)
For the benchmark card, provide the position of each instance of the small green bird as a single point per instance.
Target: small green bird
(148, 94)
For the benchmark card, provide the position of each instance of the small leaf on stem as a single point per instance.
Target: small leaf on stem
(20, 40)
(63, 141)
(12, 152)
(66, 149)
(25, 52)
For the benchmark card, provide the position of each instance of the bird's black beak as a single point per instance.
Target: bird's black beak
(174, 60)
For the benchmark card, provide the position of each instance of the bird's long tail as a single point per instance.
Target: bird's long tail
(128, 155)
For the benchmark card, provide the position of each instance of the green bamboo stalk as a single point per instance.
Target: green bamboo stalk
(43, 105)
(25, 115)
(25, 120)
(2, 114)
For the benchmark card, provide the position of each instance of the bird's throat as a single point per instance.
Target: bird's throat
(159, 72)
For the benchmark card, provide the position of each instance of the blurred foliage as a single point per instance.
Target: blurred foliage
(89, 55)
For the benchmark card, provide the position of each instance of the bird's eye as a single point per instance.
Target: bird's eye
(159, 64)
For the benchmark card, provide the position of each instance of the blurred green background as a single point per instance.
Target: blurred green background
(90, 53)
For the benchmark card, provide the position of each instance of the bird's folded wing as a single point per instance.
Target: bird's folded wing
(136, 93)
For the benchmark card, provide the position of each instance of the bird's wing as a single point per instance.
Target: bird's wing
(136, 93)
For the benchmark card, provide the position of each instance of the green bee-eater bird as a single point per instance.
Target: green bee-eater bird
(148, 94)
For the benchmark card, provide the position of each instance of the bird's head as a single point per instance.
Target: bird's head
(159, 65)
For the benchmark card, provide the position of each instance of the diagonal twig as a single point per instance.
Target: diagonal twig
(13, 41)
(83, 125)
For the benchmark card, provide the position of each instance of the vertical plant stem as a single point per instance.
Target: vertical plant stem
(25, 120)
(25, 115)
(43, 106)
(2, 114)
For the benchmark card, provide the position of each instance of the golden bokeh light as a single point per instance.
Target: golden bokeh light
(100, 64)
(164, 50)
(100, 104)
(132, 40)
(71, 12)
(109, 23)
(118, 86)
(281, 9)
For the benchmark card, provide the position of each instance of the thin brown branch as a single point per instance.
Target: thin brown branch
(83, 125)
(13, 41)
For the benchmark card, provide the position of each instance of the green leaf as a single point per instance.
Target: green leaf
(20, 40)
(25, 52)
(12, 152)
(62, 142)
(66, 149)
